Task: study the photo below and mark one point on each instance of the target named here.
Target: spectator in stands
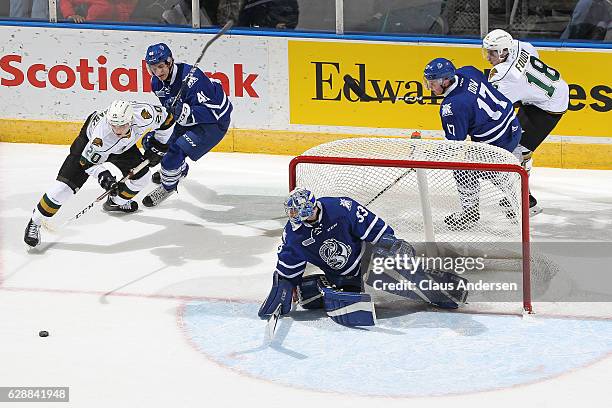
(90, 10)
(270, 14)
(38, 9)
(212, 12)
(181, 13)
(228, 10)
(591, 20)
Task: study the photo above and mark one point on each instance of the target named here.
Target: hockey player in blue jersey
(332, 233)
(202, 115)
(472, 106)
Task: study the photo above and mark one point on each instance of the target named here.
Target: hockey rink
(159, 308)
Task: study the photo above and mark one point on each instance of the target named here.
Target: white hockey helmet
(119, 113)
(497, 40)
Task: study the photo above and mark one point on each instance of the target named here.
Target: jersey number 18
(550, 73)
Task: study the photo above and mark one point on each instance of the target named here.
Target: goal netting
(460, 198)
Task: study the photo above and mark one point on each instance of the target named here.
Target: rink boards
(287, 92)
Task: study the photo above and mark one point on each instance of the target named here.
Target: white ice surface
(216, 241)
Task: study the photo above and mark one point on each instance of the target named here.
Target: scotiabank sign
(98, 75)
(318, 95)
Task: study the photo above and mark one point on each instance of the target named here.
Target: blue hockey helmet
(157, 53)
(300, 205)
(439, 68)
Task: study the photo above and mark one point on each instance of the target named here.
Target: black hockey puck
(43, 333)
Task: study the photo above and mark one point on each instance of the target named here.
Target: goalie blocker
(333, 233)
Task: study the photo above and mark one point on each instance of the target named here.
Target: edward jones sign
(318, 95)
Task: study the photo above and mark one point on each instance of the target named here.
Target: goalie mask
(300, 205)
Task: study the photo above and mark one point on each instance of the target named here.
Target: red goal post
(319, 157)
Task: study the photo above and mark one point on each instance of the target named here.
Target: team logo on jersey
(335, 253)
(346, 204)
(315, 231)
(145, 114)
(446, 110)
(97, 142)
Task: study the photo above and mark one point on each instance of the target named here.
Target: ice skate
(156, 196)
(462, 220)
(128, 207)
(534, 208)
(32, 234)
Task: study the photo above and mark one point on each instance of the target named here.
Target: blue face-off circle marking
(407, 355)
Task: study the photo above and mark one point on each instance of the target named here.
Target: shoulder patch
(145, 114)
(346, 204)
(445, 110)
(97, 142)
(492, 73)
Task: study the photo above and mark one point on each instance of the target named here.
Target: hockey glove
(154, 149)
(108, 182)
(280, 294)
(182, 113)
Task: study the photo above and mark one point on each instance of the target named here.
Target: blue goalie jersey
(472, 106)
(335, 244)
(206, 98)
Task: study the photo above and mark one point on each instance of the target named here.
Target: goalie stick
(223, 30)
(54, 228)
(273, 322)
(354, 86)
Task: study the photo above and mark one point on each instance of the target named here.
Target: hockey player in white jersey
(520, 74)
(106, 149)
(333, 234)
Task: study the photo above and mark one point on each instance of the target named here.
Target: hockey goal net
(444, 192)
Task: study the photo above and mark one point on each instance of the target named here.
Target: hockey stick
(189, 75)
(415, 135)
(393, 183)
(354, 86)
(52, 228)
(273, 322)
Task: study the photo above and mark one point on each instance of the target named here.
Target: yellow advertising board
(318, 95)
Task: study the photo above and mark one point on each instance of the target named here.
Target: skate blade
(32, 249)
(535, 210)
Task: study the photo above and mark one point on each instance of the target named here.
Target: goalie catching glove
(154, 149)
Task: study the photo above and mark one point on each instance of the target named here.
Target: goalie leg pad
(347, 308)
(280, 294)
(439, 288)
(309, 295)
